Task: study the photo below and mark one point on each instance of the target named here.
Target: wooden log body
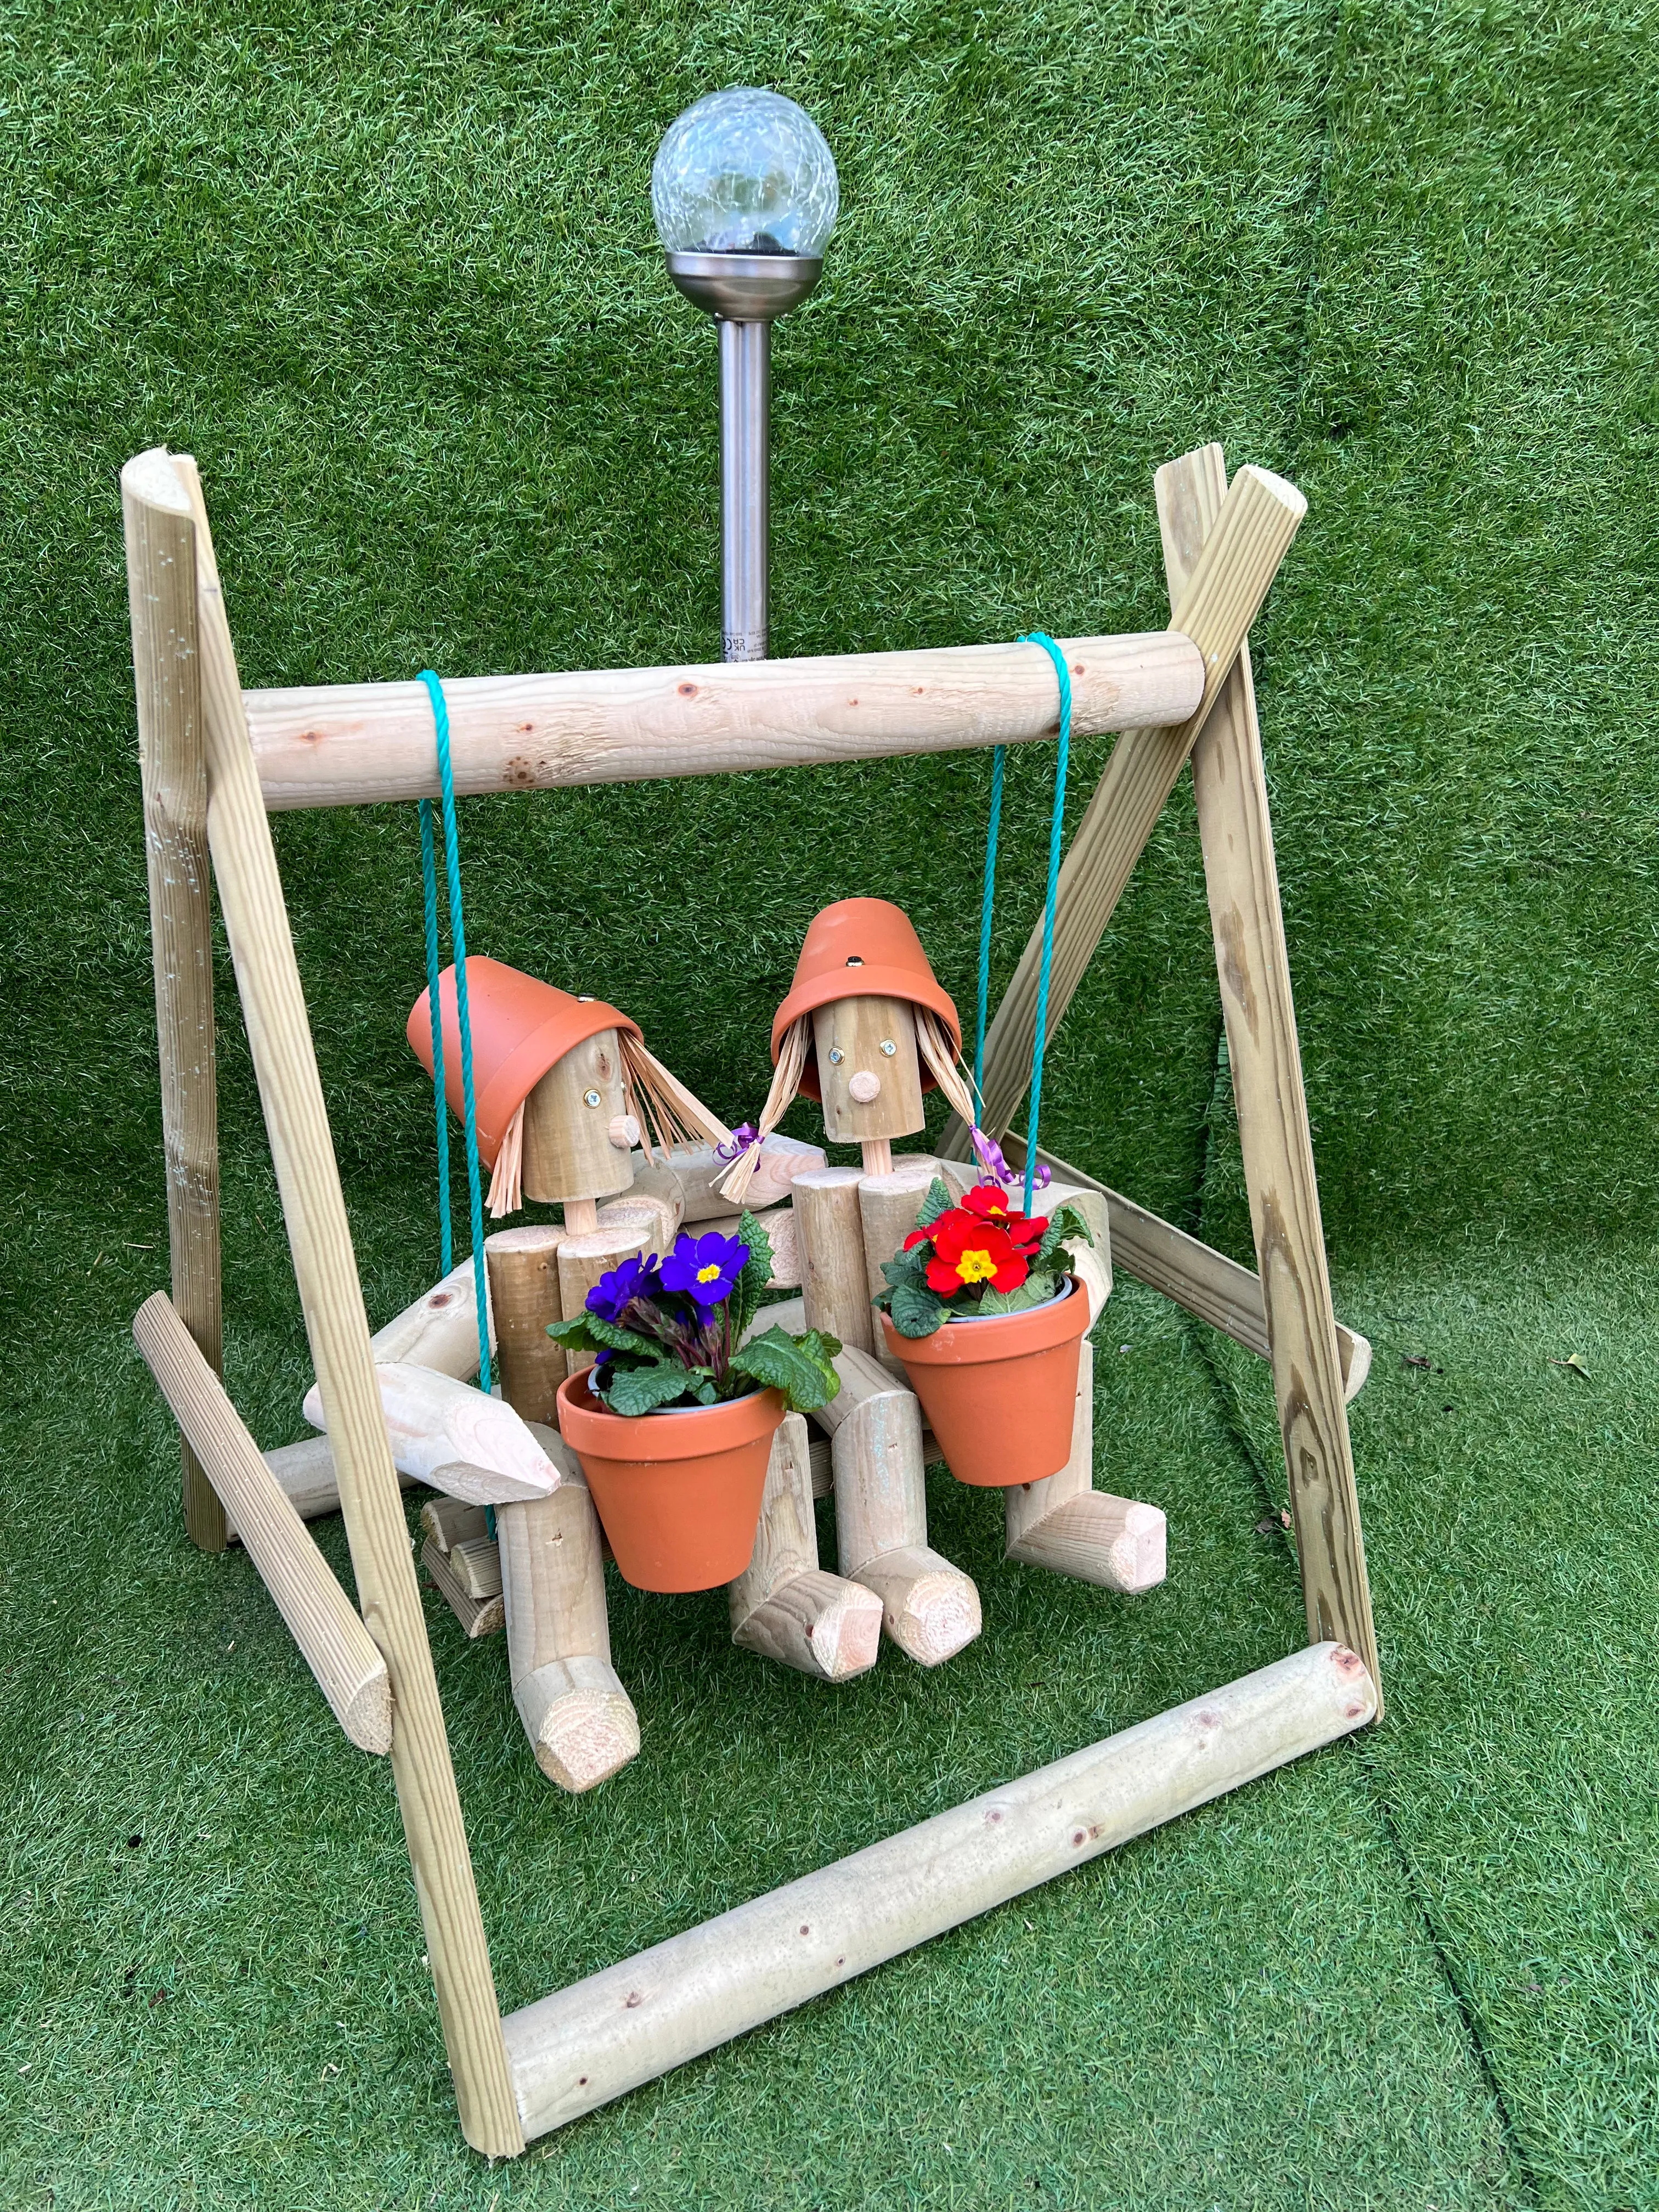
(580, 1721)
(161, 543)
(1067, 1525)
(869, 1070)
(567, 1148)
(333, 1641)
(523, 1266)
(320, 1237)
(930, 1609)
(447, 1434)
(783, 1605)
(584, 1262)
(888, 1206)
(829, 1226)
(1231, 791)
(348, 743)
(629, 2023)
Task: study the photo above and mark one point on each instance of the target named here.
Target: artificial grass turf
(390, 277)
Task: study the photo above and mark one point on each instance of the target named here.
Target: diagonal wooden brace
(1228, 582)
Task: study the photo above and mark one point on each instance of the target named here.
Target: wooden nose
(863, 1087)
(624, 1132)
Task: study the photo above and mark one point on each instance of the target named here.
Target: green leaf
(797, 1366)
(939, 1200)
(642, 1389)
(747, 1291)
(574, 1333)
(917, 1312)
(1031, 1293)
(906, 1267)
(607, 1332)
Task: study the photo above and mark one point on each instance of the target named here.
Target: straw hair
(785, 1082)
(664, 1110)
(938, 1051)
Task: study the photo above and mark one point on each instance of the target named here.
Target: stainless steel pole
(745, 504)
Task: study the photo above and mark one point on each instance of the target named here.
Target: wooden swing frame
(216, 759)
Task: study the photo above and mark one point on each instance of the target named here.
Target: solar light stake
(744, 194)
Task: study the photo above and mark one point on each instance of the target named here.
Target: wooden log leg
(1067, 1524)
(1230, 785)
(929, 1608)
(324, 1266)
(633, 2022)
(580, 1720)
(783, 1605)
(160, 536)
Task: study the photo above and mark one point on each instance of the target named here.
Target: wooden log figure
(866, 1029)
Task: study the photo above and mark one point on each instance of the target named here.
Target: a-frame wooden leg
(162, 594)
(1243, 880)
(325, 1265)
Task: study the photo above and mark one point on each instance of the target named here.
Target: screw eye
(590, 1098)
(836, 1055)
(888, 1047)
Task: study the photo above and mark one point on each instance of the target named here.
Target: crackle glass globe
(743, 171)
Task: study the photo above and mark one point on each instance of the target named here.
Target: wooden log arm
(345, 744)
(604, 2036)
(1193, 1274)
(333, 1641)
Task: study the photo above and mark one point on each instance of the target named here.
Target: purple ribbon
(741, 1140)
(996, 1166)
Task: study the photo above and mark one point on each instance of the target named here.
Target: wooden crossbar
(633, 2020)
(344, 744)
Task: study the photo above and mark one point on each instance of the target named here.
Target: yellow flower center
(710, 1273)
(975, 1266)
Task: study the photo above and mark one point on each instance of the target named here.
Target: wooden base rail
(625, 2026)
(1194, 1275)
(333, 1641)
(345, 744)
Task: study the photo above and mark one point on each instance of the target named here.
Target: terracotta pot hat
(862, 948)
(521, 1028)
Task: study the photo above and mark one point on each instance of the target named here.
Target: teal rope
(458, 941)
(992, 830)
(1056, 827)
(429, 880)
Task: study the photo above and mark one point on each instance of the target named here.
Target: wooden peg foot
(930, 1609)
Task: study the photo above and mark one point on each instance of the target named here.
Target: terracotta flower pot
(521, 1027)
(679, 1492)
(862, 948)
(999, 1394)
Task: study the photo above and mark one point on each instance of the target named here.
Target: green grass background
(388, 272)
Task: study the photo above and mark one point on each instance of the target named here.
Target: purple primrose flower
(704, 1267)
(613, 1294)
